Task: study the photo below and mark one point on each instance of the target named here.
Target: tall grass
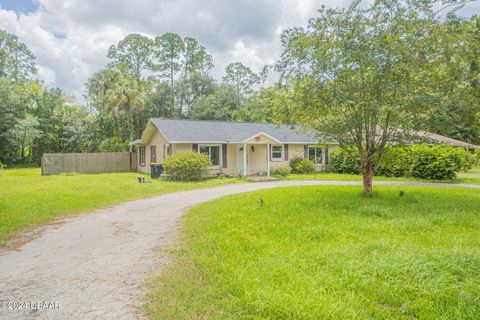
(326, 253)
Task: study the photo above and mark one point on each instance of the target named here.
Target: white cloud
(70, 38)
(47, 75)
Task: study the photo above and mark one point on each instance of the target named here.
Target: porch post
(268, 160)
(245, 159)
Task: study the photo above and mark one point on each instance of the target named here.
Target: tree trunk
(368, 174)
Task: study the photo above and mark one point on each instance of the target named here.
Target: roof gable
(149, 132)
(261, 138)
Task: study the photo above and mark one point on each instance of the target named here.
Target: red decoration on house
(258, 138)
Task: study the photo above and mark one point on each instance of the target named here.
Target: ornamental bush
(343, 161)
(395, 162)
(465, 159)
(186, 166)
(302, 166)
(433, 162)
(420, 161)
(282, 170)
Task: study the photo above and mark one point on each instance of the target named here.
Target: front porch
(257, 155)
(256, 160)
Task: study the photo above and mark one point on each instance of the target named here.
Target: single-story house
(244, 148)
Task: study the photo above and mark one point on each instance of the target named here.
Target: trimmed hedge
(186, 166)
(420, 161)
(302, 166)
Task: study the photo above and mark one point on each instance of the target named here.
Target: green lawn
(326, 253)
(472, 177)
(27, 198)
(338, 177)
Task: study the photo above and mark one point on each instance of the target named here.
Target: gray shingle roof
(229, 132)
(439, 139)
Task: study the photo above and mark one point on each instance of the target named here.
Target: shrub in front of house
(395, 162)
(282, 170)
(477, 157)
(343, 161)
(434, 162)
(302, 166)
(465, 160)
(422, 161)
(186, 166)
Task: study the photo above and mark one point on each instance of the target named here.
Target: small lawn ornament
(142, 180)
(261, 202)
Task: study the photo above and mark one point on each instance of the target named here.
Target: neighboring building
(267, 145)
(434, 138)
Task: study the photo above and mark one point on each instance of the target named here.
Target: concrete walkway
(93, 266)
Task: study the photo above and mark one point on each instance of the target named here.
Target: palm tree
(126, 97)
(98, 85)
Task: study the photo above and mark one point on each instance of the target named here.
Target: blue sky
(19, 5)
(70, 38)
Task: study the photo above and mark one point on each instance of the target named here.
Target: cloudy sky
(70, 38)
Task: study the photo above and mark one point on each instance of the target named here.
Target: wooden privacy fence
(103, 162)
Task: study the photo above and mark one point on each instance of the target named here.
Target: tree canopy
(16, 60)
(359, 76)
(363, 77)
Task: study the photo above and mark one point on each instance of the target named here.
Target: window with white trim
(315, 154)
(167, 150)
(277, 152)
(141, 152)
(153, 154)
(213, 153)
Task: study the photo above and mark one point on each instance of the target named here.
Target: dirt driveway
(93, 266)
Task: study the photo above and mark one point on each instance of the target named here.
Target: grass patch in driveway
(28, 199)
(326, 253)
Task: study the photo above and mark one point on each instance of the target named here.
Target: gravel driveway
(93, 266)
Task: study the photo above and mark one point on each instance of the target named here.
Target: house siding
(158, 141)
(231, 159)
(258, 159)
(294, 151)
(181, 147)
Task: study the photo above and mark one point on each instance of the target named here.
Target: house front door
(240, 153)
